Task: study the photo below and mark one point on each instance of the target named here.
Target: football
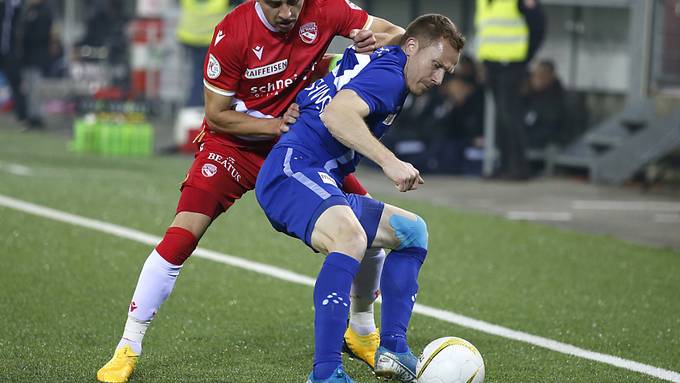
(450, 360)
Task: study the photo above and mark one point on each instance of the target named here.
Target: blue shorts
(293, 189)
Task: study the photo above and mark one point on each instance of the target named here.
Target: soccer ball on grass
(450, 360)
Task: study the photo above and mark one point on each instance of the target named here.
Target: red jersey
(262, 69)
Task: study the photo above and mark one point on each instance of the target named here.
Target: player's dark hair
(431, 27)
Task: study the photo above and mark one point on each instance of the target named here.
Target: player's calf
(406, 234)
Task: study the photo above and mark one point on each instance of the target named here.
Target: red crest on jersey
(308, 32)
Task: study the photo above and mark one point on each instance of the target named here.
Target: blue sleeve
(381, 86)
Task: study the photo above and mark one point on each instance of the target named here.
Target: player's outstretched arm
(221, 118)
(344, 119)
(379, 34)
(385, 32)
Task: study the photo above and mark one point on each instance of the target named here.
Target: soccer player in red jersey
(262, 54)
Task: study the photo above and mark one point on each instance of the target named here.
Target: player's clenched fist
(364, 40)
(405, 176)
(289, 117)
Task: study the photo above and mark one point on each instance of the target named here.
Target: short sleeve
(381, 87)
(222, 67)
(347, 16)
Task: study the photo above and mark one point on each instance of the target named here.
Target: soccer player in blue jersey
(342, 117)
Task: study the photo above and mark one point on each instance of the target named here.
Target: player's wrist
(275, 126)
(386, 159)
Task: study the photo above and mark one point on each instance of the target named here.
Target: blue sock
(331, 305)
(399, 286)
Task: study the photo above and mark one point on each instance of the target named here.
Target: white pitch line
(652, 206)
(286, 275)
(558, 216)
(16, 169)
(667, 218)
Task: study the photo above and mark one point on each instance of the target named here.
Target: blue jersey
(377, 78)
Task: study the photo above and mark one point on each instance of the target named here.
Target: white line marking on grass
(558, 216)
(16, 169)
(652, 206)
(667, 218)
(290, 276)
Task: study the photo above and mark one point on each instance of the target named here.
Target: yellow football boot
(120, 367)
(362, 347)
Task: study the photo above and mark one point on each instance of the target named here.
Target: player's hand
(405, 176)
(289, 118)
(364, 40)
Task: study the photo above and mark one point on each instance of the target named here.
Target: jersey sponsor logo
(213, 70)
(352, 5)
(227, 163)
(309, 32)
(267, 70)
(219, 37)
(208, 170)
(273, 87)
(327, 179)
(258, 51)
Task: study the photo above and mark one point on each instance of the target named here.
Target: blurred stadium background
(114, 142)
(616, 60)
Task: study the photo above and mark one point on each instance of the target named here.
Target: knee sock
(365, 290)
(156, 281)
(331, 307)
(399, 287)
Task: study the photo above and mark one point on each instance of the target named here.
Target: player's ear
(411, 46)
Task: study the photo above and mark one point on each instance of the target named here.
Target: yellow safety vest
(198, 19)
(502, 32)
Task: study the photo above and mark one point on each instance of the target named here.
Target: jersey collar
(262, 17)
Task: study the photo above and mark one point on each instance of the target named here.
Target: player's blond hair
(432, 27)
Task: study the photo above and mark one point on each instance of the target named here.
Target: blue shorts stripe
(303, 179)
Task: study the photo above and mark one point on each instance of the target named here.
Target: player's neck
(263, 18)
(265, 21)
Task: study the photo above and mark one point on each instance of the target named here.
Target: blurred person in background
(197, 21)
(10, 54)
(456, 121)
(105, 27)
(35, 35)
(465, 128)
(509, 33)
(545, 112)
(58, 66)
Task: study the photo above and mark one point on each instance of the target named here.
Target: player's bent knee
(196, 223)
(409, 233)
(351, 239)
(348, 237)
(177, 245)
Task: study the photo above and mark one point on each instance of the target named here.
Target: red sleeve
(223, 64)
(347, 16)
(351, 185)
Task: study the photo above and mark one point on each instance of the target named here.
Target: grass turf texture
(65, 289)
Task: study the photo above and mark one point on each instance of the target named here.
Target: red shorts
(222, 173)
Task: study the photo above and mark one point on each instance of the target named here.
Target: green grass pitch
(64, 289)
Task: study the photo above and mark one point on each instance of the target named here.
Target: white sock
(155, 284)
(133, 334)
(362, 322)
(365, 290)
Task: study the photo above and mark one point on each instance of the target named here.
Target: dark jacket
(536, 22)
(36, 29)
(10, 11)
(544, 117)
